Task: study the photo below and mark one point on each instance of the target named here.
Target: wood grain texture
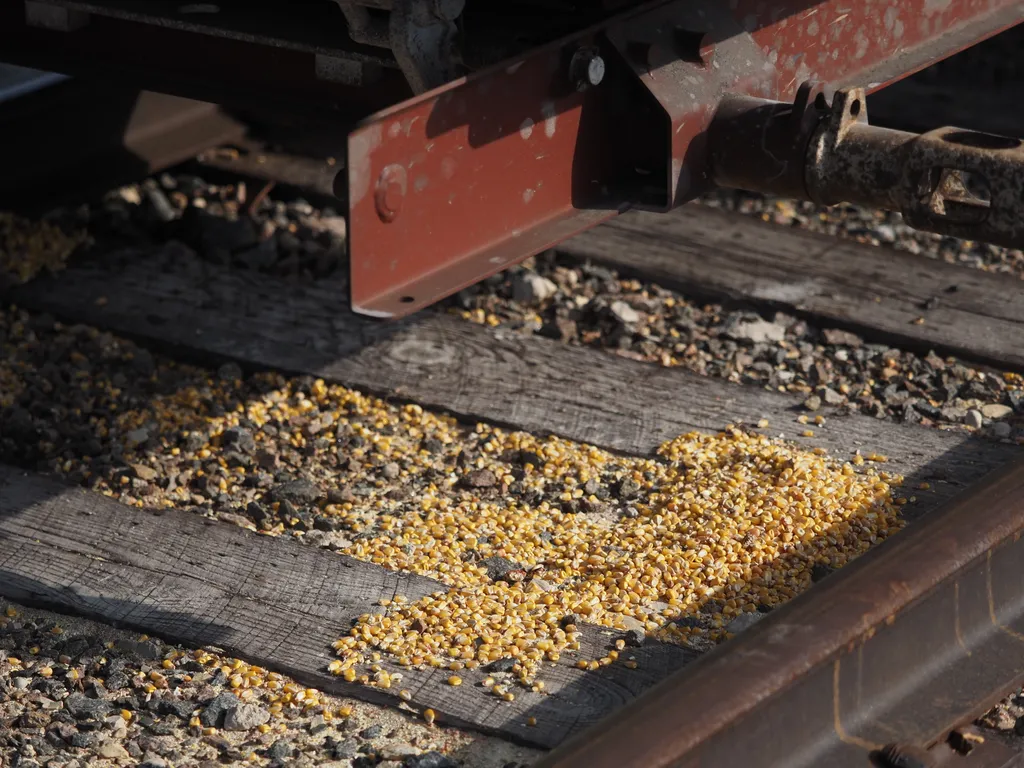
(177, 576)
(440, 361)
(879, 291)
(274, 602)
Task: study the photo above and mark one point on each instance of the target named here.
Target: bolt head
(587, 68)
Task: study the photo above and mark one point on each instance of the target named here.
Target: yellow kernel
(10, 611)
(126, 714)
(454, 680)
(508, 696)
(531, 721)
(405, 695)
(429, 715)
(630, 664)
(344, 711)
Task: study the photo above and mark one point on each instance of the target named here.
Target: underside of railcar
(480, 133)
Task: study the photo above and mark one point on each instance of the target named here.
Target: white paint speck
(526, 128)
(528, 195)
(550, 120)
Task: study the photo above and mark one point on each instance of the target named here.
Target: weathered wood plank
(879, 291)
(271, 601)
(440, 361)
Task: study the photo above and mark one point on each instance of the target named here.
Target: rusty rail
(893, 655)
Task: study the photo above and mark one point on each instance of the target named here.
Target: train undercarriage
(479, 134)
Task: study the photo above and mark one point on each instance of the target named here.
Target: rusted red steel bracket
(464, 181)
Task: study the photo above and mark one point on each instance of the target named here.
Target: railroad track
(907, 644)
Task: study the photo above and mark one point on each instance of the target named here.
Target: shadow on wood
(176, 574)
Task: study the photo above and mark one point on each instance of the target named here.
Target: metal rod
(950, 181)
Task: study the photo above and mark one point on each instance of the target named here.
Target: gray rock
(742, 622)
(499, 567)
(280, 750)
(529, 287)
(111, 750)
(624, 313)
(152, 760)
(996, 411)
(832, 397)
(812, 403)
(334, 225)
(391, 470)
(755, 331)
(345, 749)
(432, 759)
(182, 708)
(1001, 430)
(375, 731)
(480, 478)
(974, 419)
(295, 491)
(82, 707)
(244, 717)
(885, 233)
(628, 488)
(141, 649)
(400, 751)
(239, 438)
(161, 205)
(501, 665)
(214, 713)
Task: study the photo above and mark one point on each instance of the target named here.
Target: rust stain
(837, 720)
(992, 601)
(956, 618)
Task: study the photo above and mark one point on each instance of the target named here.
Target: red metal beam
(471, 178)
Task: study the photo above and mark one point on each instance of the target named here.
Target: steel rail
(902, 647)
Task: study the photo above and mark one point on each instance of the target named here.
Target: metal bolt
(586, 68)
(390, 193)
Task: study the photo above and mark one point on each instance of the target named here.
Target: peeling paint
(526, 128)
(361, 146)
(528, 195)
(550, 118)
(421, 183)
